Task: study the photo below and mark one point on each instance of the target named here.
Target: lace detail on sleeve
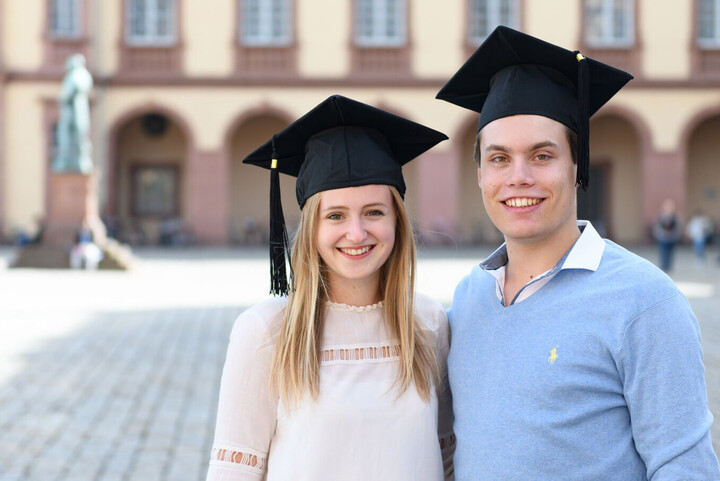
(359, 354)
(239, 456)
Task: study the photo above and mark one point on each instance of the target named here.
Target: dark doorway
(592, 204)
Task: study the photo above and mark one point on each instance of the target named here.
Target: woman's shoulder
(260, 320)
(430, 312)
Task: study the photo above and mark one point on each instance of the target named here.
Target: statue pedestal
(72, 206)
(73, 202)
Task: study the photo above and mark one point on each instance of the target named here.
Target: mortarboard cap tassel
(583, 123)
(279, 256)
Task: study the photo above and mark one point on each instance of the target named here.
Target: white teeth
(356, 252)
(521, 202)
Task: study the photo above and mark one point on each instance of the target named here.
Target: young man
(571, 358)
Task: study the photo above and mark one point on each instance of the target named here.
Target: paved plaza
(109, 376)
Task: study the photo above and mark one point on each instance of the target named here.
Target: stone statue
(73, 130)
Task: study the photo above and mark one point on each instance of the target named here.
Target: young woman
(345, 378)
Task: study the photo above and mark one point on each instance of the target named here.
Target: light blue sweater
(597, 376)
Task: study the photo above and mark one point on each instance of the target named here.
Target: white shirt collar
(586, 253)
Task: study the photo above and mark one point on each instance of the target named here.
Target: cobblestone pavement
(110, 376)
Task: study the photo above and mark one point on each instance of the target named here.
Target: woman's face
(356, 234)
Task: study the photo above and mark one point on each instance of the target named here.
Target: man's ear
(479, 177)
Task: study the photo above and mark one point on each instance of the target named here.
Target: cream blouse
(357, 429)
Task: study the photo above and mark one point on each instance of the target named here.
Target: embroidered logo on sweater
(553, 355)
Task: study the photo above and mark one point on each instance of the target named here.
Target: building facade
(184, 90)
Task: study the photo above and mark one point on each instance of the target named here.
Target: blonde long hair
(296, 359)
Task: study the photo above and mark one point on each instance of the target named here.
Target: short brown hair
(569, 134)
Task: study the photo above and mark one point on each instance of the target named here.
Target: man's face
(527, 178)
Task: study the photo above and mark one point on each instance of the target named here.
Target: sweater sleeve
(247, 409)
(660, 361)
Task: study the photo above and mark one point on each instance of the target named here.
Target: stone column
(663, 176)
(438, 183)
(207, 195)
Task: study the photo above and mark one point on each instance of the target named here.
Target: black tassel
(279, 257)
(583, 123)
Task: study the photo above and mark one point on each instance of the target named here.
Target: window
(485, 15)
(150, 22)
(609, 23)
(154, 191)
(380, 23)
(708, 24)
(64, 32)
(266, 22)
(65, 18)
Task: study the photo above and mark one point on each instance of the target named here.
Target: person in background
(699, 229)
(345, 378)
(571, 358)
(667, 231)
(85, 253)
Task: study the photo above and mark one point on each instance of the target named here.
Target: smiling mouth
(355, 251)
(522, 202)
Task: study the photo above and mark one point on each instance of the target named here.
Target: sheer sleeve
(247, 409)
(436, 321)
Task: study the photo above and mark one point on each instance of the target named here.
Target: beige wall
(323, 41)
(25, 152)
(614, 142)
(250, 182)
(438, 37)
(23, 22)
(209, 112)
(667, 111)
(666, 29)
(323, 33)
(107, 29)
(437, 28)
(558, 24)
(209, 35)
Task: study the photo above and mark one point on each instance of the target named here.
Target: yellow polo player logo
(553, 355)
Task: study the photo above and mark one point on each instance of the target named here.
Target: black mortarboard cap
(513, 73)
(339, 143)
